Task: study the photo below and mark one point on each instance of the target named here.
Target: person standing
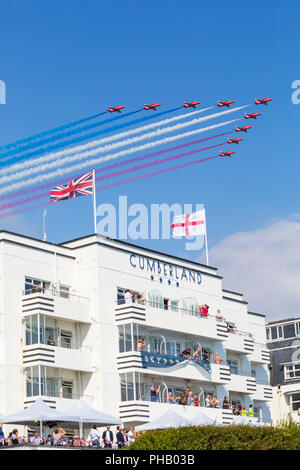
(108, 438)
(128, 297)
(120, 437)
(154, 393)
(131, 435)
(226, 403)
(94, 436)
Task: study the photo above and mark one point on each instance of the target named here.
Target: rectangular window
(274, 334)
(64, 291)
(127, 384)
(174, 305)
(292, 371)
(295, 401)
(233, 367)
(289, 330)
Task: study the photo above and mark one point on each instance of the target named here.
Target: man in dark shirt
(186, 354)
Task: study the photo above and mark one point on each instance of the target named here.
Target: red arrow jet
(242, 129)
(227, 154)
(263, 100)
(192, 104)
(234, 141)
(252, 116)
(225, 103)
(115, 109)
(151, 106)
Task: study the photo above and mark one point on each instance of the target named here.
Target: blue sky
(63, 60)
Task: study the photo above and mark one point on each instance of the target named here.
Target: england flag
(185, 225)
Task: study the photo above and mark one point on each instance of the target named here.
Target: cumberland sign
(166, 270)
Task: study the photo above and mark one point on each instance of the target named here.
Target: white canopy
(82, 413)
(38, 411)
(201, 420)
(170, 419)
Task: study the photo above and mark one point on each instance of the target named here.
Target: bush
(220, 438)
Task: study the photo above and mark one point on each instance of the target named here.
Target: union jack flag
(82, 186)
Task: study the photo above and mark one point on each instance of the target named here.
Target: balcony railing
(63, 294)
(191, 312)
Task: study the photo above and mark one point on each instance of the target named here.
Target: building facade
(103, 321)
(283, 341)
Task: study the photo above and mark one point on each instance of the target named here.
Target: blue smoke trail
(50, 132)
(65, 134)
(87, 136)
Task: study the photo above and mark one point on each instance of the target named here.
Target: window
(66, 339)
(67, 389)
(173, 348)
(292, 371)
(289, 330)
(32, 381)
(127, 386)
(31, 330)
(35, 285)
(155, 299)
(125, 338)
(233, 367)
(64, 291)
(174, 305)
(295, 401)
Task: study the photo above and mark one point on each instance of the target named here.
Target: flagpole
(44, 225)
(206, 246)
(94, 201)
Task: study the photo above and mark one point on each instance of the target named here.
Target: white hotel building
(66, 333)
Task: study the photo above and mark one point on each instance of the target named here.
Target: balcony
(239, 342)
(59, 357)
(172, 318)
(242, 382)
(260, 354)
(188, 370)
(138, 412)
(57, 304)
(263, 391)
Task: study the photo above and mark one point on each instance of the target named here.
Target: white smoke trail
(96, 161)
(106, 148)
(79, 148)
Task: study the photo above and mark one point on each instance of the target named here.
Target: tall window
(233, 367)
(127, 386)
(125, 338)
(155, 298)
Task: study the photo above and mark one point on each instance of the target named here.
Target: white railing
(56, 293)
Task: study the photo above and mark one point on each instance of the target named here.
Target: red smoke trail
(117, 183)
(111, 166)
(112, 175)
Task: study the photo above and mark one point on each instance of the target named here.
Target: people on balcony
(171, 399)
(141, 299)
(51, 341)
(187, 353)
(189, 400)
(197, 354)
(203, 310)
(226, 403)
(219, 316)
(141, 344)
(217, 359)
(128, 297)
(154, 393)
(206, 356)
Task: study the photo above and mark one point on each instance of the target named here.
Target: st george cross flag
(185, 225)
(82, 186)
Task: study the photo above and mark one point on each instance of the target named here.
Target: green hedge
(220, 438)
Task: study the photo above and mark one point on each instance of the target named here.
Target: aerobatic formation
(31, 166)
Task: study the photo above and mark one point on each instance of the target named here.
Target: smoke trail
(87, 136)
(51, 156)
(109, 167)
(63, 135)
(51, 131)
(103, 149)
(96, 161)
(117, 183)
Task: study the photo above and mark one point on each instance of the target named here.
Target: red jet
(234, 141)
(225, 103)
(116, 109)
(252, 116)
(151, 106)
(242, 129)
(263, 101)
(227, 154)
(192, 104)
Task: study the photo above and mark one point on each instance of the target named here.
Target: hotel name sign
(164, 270)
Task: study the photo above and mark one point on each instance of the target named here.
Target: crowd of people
(57, 437)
